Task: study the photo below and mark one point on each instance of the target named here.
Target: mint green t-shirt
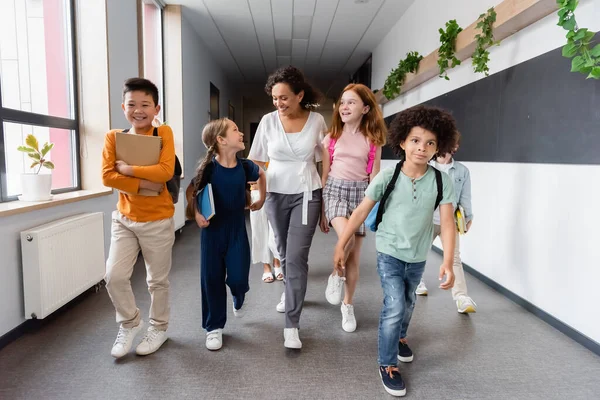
(406, 230)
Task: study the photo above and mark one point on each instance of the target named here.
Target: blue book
(206, 202)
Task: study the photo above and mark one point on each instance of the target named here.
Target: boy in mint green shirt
(405, 234)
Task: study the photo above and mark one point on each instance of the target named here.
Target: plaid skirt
(341, 197)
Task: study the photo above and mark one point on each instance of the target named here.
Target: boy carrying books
(404, 235)
(140, 223)
(461, 178)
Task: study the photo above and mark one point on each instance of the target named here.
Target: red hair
(372, 124)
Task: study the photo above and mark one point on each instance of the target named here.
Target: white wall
(199, 69)
(536, 225)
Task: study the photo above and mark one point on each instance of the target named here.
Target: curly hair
(294, 78)
(372, 124)
(437, 121)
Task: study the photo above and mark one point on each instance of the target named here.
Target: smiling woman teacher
(290, 139)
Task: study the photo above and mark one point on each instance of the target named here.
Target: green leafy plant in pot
(36, 186)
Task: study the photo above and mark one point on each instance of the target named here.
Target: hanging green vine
(586, 60)
(485, 39)
(394, 82)
(448, 47)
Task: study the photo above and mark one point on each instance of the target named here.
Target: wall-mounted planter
(512, 16)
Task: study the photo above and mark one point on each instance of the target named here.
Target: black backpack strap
(155, 131)
(440, 187)
(388, 190)
(125, 130)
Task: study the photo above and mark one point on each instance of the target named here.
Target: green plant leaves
(393, 83)
(584, 60)
(33, 152)
(485, 39)
(32, 141)
(47, 147)
(26, 149)
(448, 48)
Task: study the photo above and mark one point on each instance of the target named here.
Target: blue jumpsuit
(224, 249)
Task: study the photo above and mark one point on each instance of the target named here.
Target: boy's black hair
(142, 85)
(439, 122)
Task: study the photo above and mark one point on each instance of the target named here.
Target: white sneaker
(214, 339)
(124, 340)
(281, 305)
(333, 293)
(348, 319)
(152, 340)
(421, 289)
(292, 340)
(466, 305)
(239, 313)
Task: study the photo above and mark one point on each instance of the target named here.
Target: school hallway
(501, 352)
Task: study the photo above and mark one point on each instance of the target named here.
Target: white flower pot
(36, 187)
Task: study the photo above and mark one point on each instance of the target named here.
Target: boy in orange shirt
(140, 223)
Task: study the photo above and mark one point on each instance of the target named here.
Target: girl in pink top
(351, 158)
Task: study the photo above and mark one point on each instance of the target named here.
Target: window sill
(19, 207)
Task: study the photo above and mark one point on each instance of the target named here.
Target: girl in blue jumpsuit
(224, 249)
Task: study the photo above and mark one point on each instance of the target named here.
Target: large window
(152, 42)
(37, 91)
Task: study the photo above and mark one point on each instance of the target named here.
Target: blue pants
(224, 260)
(399, 280)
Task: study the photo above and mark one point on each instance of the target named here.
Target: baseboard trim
(574, 334)
(33, 325)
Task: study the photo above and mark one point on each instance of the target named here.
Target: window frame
(47, 121)
(141, 49)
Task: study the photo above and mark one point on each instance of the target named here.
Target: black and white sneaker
(405, 354)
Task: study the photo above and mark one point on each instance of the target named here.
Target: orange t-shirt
(136, 207)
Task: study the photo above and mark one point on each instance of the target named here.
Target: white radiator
(61, 260)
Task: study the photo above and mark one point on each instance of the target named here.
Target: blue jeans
(399, 280)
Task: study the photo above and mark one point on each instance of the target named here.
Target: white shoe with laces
(281, 305)
(214, 339)
(124, 340)
(292, 340)
(348, 318)
(152, 340)
(333, 292)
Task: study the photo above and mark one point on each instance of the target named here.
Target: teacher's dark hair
(294, 78)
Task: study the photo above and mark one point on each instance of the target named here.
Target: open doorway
(214, 102)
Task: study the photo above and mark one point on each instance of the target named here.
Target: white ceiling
(328, 39)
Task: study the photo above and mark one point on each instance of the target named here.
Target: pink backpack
(372, 151)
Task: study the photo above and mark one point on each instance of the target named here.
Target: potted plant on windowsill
(36, 186)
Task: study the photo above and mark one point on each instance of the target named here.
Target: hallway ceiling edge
(328, 39)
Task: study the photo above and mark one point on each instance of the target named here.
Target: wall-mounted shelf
(512, 16)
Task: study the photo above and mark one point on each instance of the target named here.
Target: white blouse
(292, 168)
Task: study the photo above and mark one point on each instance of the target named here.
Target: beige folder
(138, 150)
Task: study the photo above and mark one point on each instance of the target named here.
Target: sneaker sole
(293, 346)
(406, 359)
(142, 353)
(421, 293)
(468, 310)
(395, 393)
